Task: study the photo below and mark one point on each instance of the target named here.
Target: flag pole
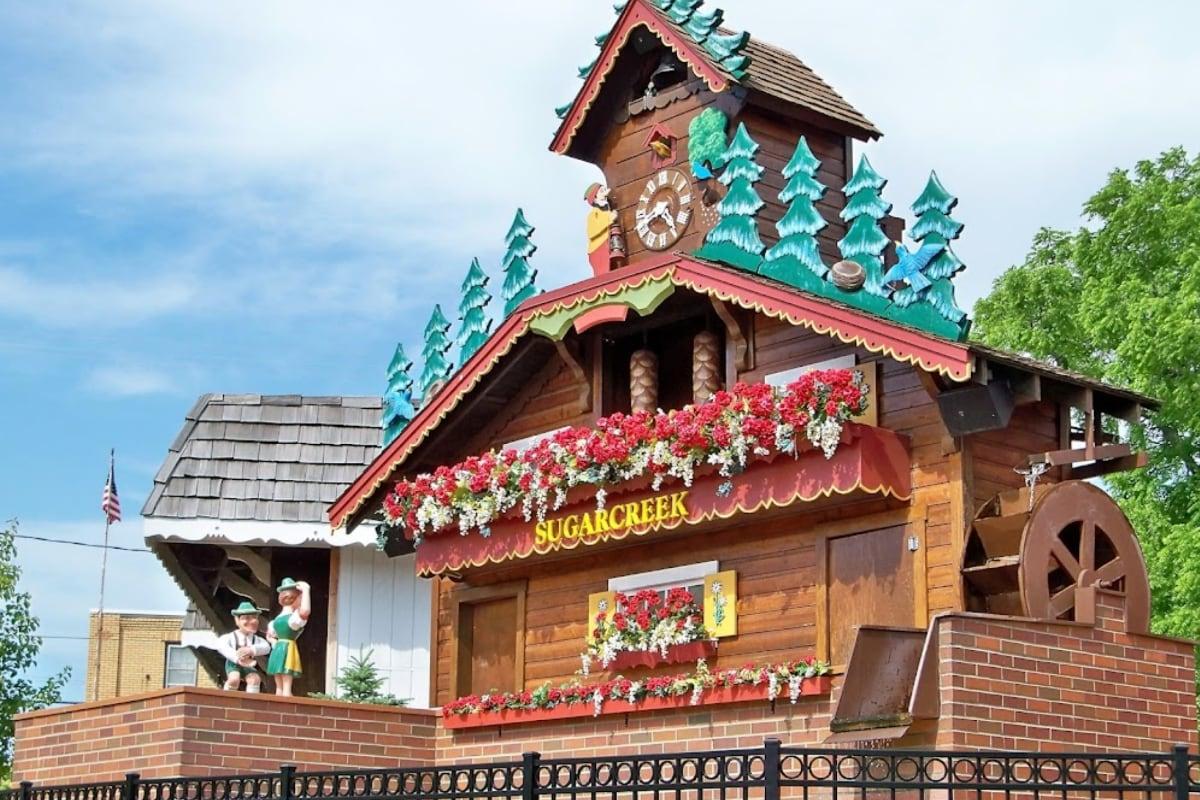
(103, 570)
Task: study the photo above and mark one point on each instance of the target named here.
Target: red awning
(869, 461)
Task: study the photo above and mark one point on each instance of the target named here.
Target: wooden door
(489, 629)
(870, 580)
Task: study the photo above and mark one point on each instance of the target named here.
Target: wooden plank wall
(995, 455)
(627, 164)
(779, 600)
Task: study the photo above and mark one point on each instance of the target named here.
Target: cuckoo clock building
(752, 477)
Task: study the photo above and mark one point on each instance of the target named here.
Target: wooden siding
(628, 163)
(782, 605)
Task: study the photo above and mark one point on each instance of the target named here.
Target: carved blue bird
(399, 405)
(910, 268)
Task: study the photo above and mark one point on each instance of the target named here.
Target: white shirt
(230, 643)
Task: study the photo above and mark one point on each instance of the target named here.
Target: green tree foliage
(706, 139)
(518, 275)
(437, 366)
(1119, 299)
(19, 647)
(865, 241)
(360, 682)
(797, 247)
(735, 240)
(935, 226)
(398, 406)
(472, 310)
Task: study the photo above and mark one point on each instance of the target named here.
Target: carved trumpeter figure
(606, 238)
(284, 664)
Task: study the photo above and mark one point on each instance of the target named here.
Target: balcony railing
(772, 772)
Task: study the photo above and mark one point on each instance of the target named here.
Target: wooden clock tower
(643, 118)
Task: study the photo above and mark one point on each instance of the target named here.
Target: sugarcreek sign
(592, 526)
(870, 460)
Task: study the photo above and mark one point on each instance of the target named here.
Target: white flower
(586, 658)
(772, 686)
(794, 688)
(597, 702)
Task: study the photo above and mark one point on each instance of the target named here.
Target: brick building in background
(141, 652)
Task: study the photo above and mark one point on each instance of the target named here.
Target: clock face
(664, 210)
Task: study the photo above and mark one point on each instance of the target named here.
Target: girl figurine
(242, 648)
(284, 663)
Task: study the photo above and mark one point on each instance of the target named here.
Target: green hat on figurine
(287, 585)
(246, 609)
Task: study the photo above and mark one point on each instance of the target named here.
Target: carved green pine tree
(796, 259)
(472, 311)
(437, 366)
(865, 241)
(398, 408)
(735, 240)
(518, 275)
(935, 226)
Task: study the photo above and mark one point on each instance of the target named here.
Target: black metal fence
(772, 772)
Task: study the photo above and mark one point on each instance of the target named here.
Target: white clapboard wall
(384, 608)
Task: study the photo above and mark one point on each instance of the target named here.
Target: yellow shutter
(870, 373)
(720, 604)
(600, 601)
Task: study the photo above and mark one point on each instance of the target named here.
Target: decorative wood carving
(706, 366)
(643, 381)
(570, 356)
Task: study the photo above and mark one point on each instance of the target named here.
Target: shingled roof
(269, 459)
(780, 74)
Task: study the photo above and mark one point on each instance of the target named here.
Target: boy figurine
(606, 240)
(242, 648)
(284, 663)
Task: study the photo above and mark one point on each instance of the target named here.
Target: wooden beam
(570, 355)
(1063, 458)
(1088, 471)
(199, 594)
(735, 334)
(252, 590)
(259, 565)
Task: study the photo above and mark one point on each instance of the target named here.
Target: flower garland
(645, 622)
(726, 432)
(693, 686)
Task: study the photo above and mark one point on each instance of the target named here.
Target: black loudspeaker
(976, 408)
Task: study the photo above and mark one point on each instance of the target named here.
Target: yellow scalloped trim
(881, 490)
(719, 86)
(802, 322)
(602, 292)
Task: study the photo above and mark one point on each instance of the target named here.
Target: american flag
(110, 504)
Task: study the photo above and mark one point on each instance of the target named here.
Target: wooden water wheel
(1045, 560)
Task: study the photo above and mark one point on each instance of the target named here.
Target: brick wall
(132, 659)
(1019, 684)
(196, 732)
(742, 725)
(1004, 683)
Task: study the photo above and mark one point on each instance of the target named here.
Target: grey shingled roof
(272, 459)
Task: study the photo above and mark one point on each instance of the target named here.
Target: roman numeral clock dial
(664, 209)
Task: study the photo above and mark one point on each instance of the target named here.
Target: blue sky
(265, 197)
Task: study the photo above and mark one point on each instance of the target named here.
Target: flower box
(718, 695)
(688, 653)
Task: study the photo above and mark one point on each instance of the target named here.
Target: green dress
(285, 655)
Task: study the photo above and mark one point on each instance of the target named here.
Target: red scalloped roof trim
(636, 14)
(930, 353)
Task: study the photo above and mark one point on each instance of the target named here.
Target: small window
(181, 666)
(688, 576)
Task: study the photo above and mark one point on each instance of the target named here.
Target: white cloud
(130, 381)
(91, 303)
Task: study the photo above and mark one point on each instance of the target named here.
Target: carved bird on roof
(910, 269)
(399, 404)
